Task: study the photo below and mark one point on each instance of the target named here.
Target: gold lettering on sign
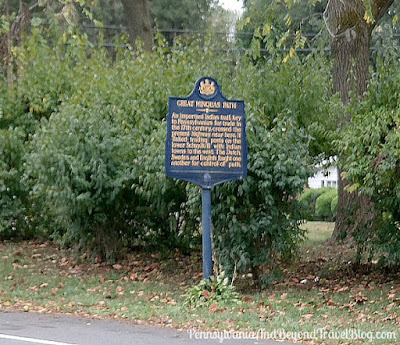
(229, 105)
(207, 140)
(185, 103)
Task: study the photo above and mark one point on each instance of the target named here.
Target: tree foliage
(371, 145)
(283, 25)
(12, 191)
(258, 219)
(93, 136)
(182, 14)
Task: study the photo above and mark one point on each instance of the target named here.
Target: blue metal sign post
(206, 145)
(206, 221)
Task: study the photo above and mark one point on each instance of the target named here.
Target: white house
(325, 177)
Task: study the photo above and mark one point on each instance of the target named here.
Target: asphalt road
(36, 329)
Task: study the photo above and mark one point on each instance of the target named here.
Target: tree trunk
(138, 21)
(19, 27)
(350, 46)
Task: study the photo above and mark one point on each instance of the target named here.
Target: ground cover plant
(41, 277)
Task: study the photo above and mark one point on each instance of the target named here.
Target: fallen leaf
(362, 316)
(171, 301)
(330, 302)
(360, 298)
(213, 308)
(341, 289)
(206, 293)
(308, 316)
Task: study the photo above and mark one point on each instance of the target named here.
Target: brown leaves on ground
(359, 298)
(137, 267)
(307, 316)
(335, 285)
(206, 294)
(213, 308)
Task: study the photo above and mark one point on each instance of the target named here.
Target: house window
(329, 183)
(322, 184)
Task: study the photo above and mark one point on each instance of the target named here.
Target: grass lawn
(318, 231)
(319, 292)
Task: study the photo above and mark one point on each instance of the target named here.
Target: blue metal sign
(206, 137)
(206, 145)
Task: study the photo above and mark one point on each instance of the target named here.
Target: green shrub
(323, 203)
(308, 200)
(371, 146)
(258, 218)
(164, 215)
(12, 192)
(81, 170)
(94, 137)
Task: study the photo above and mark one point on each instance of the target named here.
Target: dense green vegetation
(372, 147)
(319, 204)
(82, 134)
(87, 149)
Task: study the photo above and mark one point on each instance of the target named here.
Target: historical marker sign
(206, 136)
(206, 145)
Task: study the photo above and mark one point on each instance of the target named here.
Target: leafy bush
(94, 136)
(371, 146)
(258, 218)
(308, 202)
(373, 161)
(81, 170)
(323, 209)
(12, 191)
(96, 166)
(163, 213)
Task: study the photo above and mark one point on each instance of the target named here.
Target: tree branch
(33, 6)
(380, 7)
(340, 16)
